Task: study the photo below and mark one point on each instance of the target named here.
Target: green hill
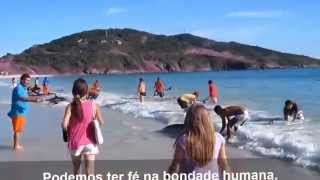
(128, 51)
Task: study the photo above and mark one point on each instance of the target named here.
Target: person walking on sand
(20, 109)
(142, 90)
(186, 100)
(213, 92)
(78, 122)
(159, 88)
(199, 148)
(232, 116)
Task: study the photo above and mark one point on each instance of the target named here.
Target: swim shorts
(18, 123)
(143, 94)
(89, 149)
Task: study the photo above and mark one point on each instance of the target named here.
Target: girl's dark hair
(79, 90)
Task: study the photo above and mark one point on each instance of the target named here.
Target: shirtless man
(234, 115)
(142, 90)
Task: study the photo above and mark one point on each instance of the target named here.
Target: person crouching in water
(200, 148)
(186, 100)
(78, 122)
(292, 112)
(232, 116)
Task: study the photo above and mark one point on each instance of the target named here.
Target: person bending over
(291, 111)
(186, 100)
(232, 117)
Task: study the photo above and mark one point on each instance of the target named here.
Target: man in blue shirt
(20, 109)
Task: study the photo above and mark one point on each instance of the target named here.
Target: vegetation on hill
(128, 50)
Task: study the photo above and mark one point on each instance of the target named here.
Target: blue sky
(284, 25)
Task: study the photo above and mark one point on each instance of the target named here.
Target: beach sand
(127, 138)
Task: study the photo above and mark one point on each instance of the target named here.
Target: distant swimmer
(187, 100)
(142, 90)
(159, 88)
(292, 112)
(94, 90)
(235, 116)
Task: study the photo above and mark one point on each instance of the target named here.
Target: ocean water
(262, 92)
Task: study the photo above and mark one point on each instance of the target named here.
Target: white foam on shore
(277, 140)
(281, 141)
(165, 111)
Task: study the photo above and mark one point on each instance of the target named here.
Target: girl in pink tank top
(78, 121)
(81, 131)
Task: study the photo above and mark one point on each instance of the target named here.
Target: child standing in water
(78, 122)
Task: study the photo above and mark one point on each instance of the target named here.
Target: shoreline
(18, 76)
(160, 72)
